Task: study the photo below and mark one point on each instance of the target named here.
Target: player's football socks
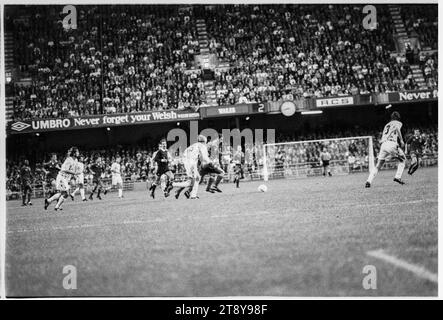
(105, 192)
(413, 168)
(90, 197)
(329, 174)
(217, 182)
(177, 193)
(187, 194)
(46, 204)
(153, 190)
(72, 196)
(400, 181)
(372, 175)
(400, 169)
(210, 182)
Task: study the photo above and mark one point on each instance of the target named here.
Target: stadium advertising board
(233, 110)
(106, 120)
(413, 95)
(334, 102)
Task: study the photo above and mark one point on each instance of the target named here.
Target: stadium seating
(421, 20)
(135, 58)
(120, 59)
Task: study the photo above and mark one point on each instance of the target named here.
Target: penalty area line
(419, 271)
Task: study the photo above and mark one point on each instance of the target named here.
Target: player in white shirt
(65, 174)
(391, 148)
(117, 181)
(79, 179)
(191, 156)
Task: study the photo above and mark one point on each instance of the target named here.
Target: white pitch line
(419, 271)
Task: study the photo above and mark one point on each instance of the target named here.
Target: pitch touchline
(257, 213)
(419, 271)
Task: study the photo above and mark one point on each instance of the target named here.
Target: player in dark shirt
(52, 167)
(238, 174)
(26, 181)
(414, 145)
(239, 160)
(97, 169)
(160, 163)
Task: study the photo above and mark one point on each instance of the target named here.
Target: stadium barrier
(39, 190)
(296, 171)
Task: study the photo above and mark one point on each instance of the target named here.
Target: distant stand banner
(413, 96)
(300, 104)
(339, 101)
(103, 120)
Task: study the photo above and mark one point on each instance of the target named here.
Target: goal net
(300, 159)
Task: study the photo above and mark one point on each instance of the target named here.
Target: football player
(391, 148)
(65, 174)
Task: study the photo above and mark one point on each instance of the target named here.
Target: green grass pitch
(305, 237)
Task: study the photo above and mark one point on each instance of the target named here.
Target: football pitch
(305, 237)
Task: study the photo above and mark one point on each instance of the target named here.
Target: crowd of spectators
(293, 51)
(421, 21)
(137, 58)
(119, 59)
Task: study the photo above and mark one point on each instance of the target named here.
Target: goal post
(299, 159)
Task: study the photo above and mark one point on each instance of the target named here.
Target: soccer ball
(262, 188)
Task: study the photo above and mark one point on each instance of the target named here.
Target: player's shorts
(190, 168)
(26, 187)
(97, 180)
(162, 171)
(80, 179)
(415, 153)
(391, 150)
(209, 169)
(117, 179)
(62, 183)
(325, 163)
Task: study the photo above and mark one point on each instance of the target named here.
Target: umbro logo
(19, 126)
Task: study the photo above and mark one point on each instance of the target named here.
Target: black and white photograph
(220, 149)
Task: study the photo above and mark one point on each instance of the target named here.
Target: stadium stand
(125, 59)
(109, 64)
